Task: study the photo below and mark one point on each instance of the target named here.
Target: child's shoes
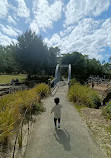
(58, 125)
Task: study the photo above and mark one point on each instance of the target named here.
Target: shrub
(42, 89)
(106, 111)
(83, 95)
(37, 108)
(13, 106)
(9, 118)
(73, 81)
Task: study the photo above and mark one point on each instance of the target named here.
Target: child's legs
(59, 120)
(55, 121)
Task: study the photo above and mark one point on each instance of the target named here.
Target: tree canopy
(7, 60)
(82, 66)
(109, 59)
(30, 55)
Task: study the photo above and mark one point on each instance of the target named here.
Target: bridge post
(69, 75)
(57, 74)
(49, 84)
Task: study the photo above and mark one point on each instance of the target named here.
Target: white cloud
(22, 9)
(3, 8)
(55, 40)
(8, 30)
(88, 37)
(45, 14)
(11, 20)
(77, 9)
(34, 27)
(5, 40)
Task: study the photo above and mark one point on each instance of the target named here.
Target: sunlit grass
(42, 89)
(13, 106)
(8, 78)
(83, 95)
(79, 107)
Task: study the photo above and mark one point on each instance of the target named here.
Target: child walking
(57, 112)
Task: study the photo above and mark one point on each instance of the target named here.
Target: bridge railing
(58, 76)
(69, 75)
(50, 83)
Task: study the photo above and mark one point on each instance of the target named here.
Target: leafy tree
(7, 61)
(107, 69)
(82, 66)
(109, 59)
(103, 62)
(53, 52)
(31, 53)
(78, 63)
(94, 67)
(2, 60)
(52, 59)
(12, 65)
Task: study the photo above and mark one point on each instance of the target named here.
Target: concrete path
(71, 141)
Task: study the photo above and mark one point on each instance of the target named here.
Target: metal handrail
(53, 80)
(50, 82)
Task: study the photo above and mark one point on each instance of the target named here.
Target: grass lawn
(8, 78)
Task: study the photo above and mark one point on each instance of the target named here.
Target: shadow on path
(63, 137)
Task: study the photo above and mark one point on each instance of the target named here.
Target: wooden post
(21, 137)
(15, 146)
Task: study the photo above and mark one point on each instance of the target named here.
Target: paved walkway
(71, 141)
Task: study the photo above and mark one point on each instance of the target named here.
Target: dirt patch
(96, 115)
(100, 128)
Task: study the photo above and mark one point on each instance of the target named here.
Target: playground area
(103, 86)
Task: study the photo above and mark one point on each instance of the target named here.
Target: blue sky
(73, 25)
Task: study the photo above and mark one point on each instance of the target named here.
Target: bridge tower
(58, 73)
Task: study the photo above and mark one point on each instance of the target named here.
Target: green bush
(106, 111)
(83, 95)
